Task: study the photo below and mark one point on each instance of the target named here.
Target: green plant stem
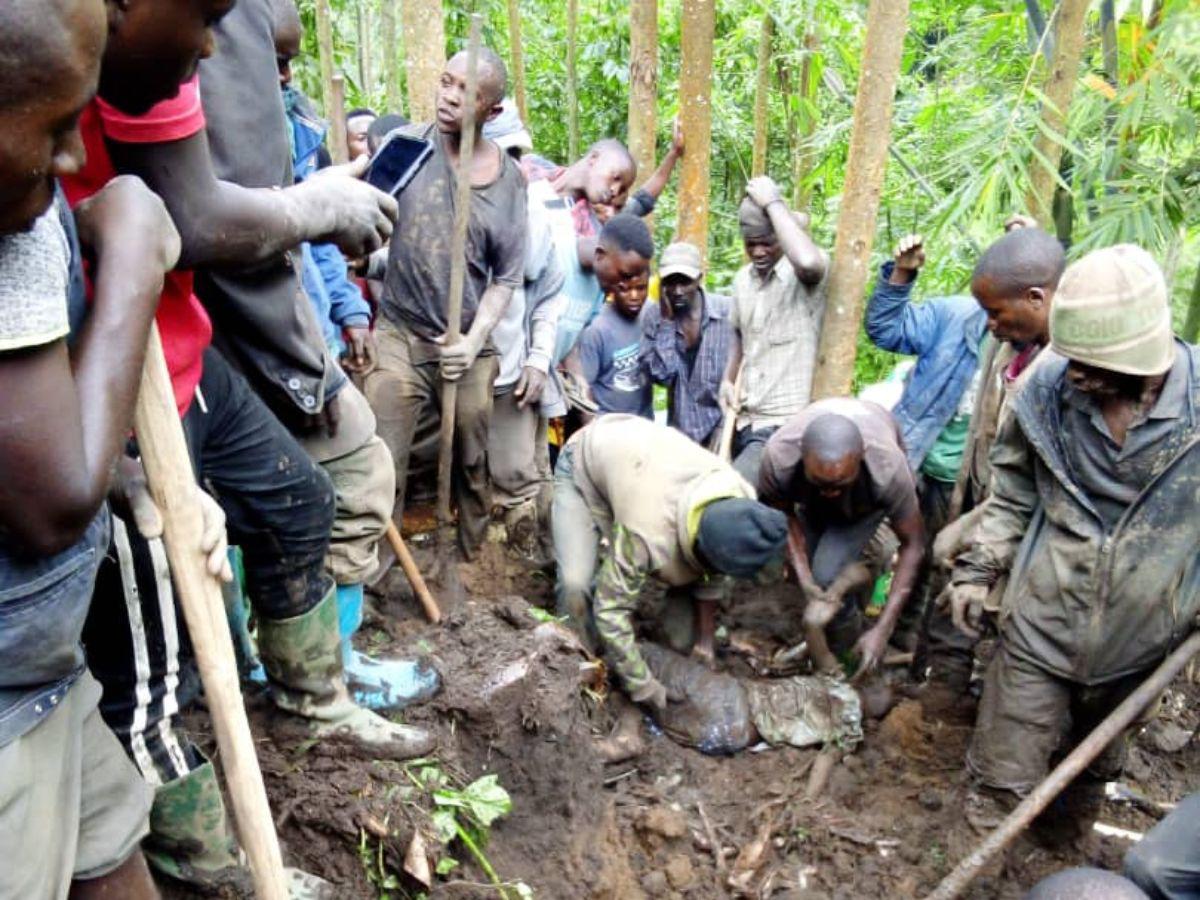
(481, 859)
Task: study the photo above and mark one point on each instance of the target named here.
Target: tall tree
(643, 82)
(1191, 327)
(804, 158)
(762, 95)
(391, 56)
(424, 55)
(869, 139)
(362, 19)
(695, 113)
(1057, 90)
(572, 80)
(325, 52)
(516, 54)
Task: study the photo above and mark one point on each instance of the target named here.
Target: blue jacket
(338, 301)
(945, 334)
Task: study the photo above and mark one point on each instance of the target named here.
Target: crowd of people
(1032, 482)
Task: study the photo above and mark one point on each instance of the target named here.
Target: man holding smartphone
(414, 357)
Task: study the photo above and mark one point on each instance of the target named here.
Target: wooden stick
(409, 565)
(172, 485)
(338, 148)
(458, 265)
(729, 425)
(1053, 784)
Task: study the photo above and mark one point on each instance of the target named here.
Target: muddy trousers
(747, 450)
(279, 507)
(519, 465)
(1028, 715)
(1166, 864)
(404, 390)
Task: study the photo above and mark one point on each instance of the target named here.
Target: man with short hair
(669, 509)
(358, 123)
(838, 470)
(607, 355)
(1095, 476)
(73, 809)
(414, 357)
(778, 307)
(685, 343)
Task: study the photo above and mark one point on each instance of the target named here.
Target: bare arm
(658, 181)
(460, 356)
(911, 532)
(65, 418)
(798, 246)
(223, 224)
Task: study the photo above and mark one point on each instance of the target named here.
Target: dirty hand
(327, 419)
(361, 352)
(352, 214)
(764, 191)
(728, 396)
(819, 611)
(910, 253)
(678, 145)
(530, 386)
(654, 693)
(458, 357)
(966, 606)
(1012, 223)
(870, 648)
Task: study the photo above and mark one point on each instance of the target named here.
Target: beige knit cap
(1111, 311)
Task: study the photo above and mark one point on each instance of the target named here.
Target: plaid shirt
(779, 320)
(694, 407)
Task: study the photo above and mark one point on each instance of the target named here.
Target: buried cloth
(718, 713)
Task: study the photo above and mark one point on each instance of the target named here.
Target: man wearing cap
(669, 509)
(685, 343)
(1095, 479)
(778, 305)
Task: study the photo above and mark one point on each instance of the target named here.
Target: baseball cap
(681, 258)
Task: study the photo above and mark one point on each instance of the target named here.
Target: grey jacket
(1083, 603)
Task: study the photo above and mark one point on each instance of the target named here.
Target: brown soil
(671, 823)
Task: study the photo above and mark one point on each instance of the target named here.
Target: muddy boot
(384, 685)
(303, 659)
(190, 841)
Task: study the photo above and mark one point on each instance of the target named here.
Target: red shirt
(182, 321)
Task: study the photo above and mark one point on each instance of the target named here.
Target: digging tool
(725, 448)
(458, 265)
(172, 485)
(409, 565)
(1053, 784)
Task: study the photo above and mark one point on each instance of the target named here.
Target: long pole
(1079, 759)
(458, 265)
(172, 485)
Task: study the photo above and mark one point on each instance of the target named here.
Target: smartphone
(397, 162)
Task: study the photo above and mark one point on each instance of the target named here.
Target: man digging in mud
(669, 509)
(1095, 479)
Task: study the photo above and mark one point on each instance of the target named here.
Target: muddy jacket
(1084, 603)
(646, 486)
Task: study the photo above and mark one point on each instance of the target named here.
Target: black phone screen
(397, 161)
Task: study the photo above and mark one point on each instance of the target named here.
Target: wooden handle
(730, 422)
(172, 485)
(409, 565)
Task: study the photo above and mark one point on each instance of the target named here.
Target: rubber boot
(237, 610)
(190, 841)
(303, 659)
(384, 685)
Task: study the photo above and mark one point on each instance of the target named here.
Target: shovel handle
(409, 565)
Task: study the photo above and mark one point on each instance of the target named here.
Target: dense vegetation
(965, 120)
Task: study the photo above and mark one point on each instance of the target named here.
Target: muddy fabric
(364, 487)
(518, 455)
(806, 711)
(416, 289)
(1085, 602)
(714, 716)
(1166, 862)
(885, 482)
(1027, 715)
(190, 836)
(405, 391)
(71, 805)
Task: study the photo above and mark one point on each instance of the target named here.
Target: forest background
(966, 117)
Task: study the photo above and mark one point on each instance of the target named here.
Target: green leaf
(486, 800)
(446, 865)
(445, 824)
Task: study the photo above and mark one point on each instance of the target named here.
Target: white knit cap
(1111, 311)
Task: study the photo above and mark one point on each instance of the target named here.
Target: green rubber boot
(303, 659)
(190, 841)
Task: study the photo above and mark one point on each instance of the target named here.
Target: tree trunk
(424, 55)
(869, 138)
(572, 81)
(762, 94)
(643, 83)
(362, 27)
(339, 150)
(803, 155)
(516, 54)
(1191, 328)
(695, 113)
(325, 53)
(393, 99)
(1058, 88)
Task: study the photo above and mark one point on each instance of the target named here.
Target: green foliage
(966, 115)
